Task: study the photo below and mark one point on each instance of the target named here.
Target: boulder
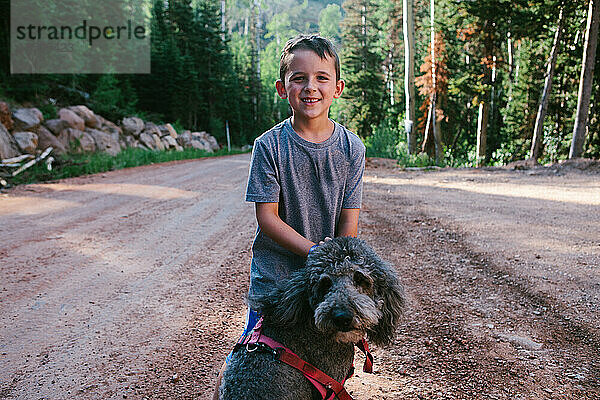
(130, 141)
(77, 140)
(165, 143)
(73, 120)
(132, 126)
(205, 137)
(158, 145)
(27, 119)
(8, 145)
(56, 126)
(213, 142)
(185, 139)
(172, 143)
(111, 127)
(47, 139)
(152, 129)
(27, 141)
(5, 116)
(200, 144)
(172, 131)
(167, 130)
(89, 118)
(147, 140)
(104, 141)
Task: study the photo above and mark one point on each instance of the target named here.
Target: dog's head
(345, 290)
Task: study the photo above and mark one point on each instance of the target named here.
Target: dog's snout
(342, 319)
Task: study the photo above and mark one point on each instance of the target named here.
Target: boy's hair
(323, 47)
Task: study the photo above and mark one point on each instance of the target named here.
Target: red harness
(328, 387)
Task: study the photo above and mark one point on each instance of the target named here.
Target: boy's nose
(310, 86)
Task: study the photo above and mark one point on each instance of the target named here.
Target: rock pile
(79, 129)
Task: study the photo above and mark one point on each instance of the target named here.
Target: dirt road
(130, 284)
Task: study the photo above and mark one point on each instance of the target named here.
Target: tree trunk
(585, 81)
(428, 145)
(538, 131)
(482, 122)
(434, 124)
(255, 59)
(511, 56)
(223, 27)
(439, 148)
(409, 74)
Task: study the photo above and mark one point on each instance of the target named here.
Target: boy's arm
(348, 222)
(267, 215)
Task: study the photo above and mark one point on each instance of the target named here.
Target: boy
(306, 172)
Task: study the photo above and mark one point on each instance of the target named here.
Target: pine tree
(425, 84)
(587, 77)
(362, 65)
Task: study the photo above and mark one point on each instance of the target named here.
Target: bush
(412, 160)
(388, 141)
(384, 141)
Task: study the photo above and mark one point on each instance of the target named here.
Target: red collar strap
(328, 387)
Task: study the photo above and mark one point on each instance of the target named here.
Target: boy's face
(310, 85)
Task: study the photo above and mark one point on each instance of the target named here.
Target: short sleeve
(263, 183)
(353, 188)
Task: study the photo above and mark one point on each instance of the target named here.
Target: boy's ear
(281, 89)
(339, 88)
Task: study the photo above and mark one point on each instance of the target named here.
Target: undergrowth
(71, 165)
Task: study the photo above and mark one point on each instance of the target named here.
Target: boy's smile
(310, 87)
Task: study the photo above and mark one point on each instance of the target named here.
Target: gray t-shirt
(312, 182)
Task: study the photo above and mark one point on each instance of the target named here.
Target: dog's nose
(342, 319)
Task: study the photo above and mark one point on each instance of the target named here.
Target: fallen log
(15, 160)
(32, 162)
(430, 168)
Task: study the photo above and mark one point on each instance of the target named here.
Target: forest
(446, 82)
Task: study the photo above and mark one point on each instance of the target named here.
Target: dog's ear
(389, 293)
(286, 305)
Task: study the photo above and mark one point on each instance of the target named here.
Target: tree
(585, 81)
(408, 24)
(365, 87)
(543, 107)
(432, 89)
(329, 23)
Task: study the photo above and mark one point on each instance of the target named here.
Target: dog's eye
(362, 280)
(324, 285)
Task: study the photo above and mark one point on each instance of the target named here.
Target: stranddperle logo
(79, 36)
(83, 32)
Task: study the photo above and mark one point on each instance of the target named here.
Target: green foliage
(107, 95)
(74, 164)
(361, 65)
(385, 140)
(413, 160)
(203, 77)
(329, 23)
(48, 111)
(388, 141)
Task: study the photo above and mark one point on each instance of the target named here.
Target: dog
(344, 293)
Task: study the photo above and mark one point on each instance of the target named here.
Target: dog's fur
(344, 293)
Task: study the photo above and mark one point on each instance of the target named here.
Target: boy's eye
(323, 78)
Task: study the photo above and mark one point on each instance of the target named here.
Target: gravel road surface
(131, 284)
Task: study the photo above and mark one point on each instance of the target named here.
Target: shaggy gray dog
(344, 293)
